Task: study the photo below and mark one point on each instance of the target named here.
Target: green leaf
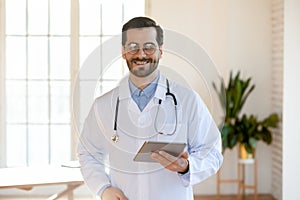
(246, 95)
(252, 142)
(225, 130)
(224, 143)
(246, 129)
(248, 148)
(271, 121)
(267, 137)
(232, 141)
(237, 98)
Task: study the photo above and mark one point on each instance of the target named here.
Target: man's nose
(141, 53)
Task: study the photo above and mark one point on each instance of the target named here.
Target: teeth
(140, 62)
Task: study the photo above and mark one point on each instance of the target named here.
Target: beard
(146, 67)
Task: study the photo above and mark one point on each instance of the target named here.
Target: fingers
(177, 164)
(121, 197)
(158, 157)
(112, 193)
(167, 156)
(184, 154)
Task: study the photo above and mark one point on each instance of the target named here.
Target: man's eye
(133, 48)
(149, 46)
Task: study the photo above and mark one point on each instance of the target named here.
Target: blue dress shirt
(142, 97)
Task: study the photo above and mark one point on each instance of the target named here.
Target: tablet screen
(148, 147)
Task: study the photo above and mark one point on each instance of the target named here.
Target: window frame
(74, 69)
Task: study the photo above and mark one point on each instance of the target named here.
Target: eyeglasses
(133, 48)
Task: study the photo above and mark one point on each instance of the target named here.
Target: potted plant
(249, 130)
(242, 130)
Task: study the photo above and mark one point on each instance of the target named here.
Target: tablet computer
(143, 155)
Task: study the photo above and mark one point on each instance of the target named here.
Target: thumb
(121, 196)
(184, 155)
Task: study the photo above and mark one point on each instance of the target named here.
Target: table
(28, 177)
(240, 179)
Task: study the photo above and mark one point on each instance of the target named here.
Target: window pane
(90, 17)
(60, 58)
(115, 71)
(87, 46)
(38, 17)
(108, 85)
(15, 11)
(111, 52)
(60, 101)
(112, 15)
(16, 145)
(37, 58)
(133, 8)
(16, 101)
(38, 102)
(88, 92)
(15, 57)
(38, 144)
(60, 143)
(60, 17)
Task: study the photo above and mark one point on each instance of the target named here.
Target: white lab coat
(104, 162)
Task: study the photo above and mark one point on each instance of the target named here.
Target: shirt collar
(148, 91)
(124, 88)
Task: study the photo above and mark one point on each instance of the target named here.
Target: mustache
(141, 60)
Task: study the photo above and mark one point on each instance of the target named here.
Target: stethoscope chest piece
(115, 138)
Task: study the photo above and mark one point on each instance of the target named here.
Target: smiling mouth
(141, 62)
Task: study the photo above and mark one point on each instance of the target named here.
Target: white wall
(291, 99)
(236, 35)
(2, 88)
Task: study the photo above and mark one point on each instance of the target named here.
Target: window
(41, 51)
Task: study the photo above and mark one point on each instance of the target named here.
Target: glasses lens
(132, 48)
(149, 48)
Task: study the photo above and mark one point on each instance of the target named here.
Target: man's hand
(176, 164)
(112, 193)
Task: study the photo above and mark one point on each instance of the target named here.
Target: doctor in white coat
(146, 106)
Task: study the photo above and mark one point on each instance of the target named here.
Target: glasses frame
(133, 48)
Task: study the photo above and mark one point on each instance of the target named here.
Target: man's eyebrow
(131, 43)
(149, 43)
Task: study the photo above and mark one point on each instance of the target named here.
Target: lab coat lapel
(160, 93)
(161, 89)
(124, 93)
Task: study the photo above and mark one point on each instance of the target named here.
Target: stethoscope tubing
(115, 136)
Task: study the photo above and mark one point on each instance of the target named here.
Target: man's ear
(123, 52)
(160, 52)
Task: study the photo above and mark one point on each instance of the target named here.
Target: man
(146, 106)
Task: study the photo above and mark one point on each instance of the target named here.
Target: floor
(234, 197)
(211, 197)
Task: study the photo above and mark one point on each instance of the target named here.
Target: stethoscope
(115, 137)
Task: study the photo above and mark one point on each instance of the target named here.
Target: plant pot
(243, 154)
